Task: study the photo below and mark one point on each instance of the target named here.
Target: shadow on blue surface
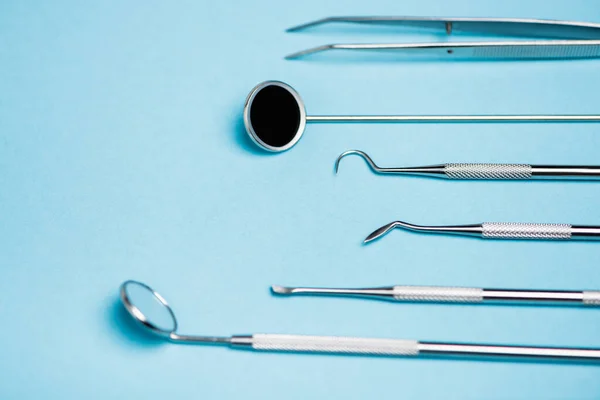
(243, 140)
(126, 329)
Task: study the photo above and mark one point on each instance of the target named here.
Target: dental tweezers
(465, 171)
(563, 39)
(499, 230)
(445, 294)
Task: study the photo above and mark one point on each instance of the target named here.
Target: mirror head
(148, 308)
(274, 116)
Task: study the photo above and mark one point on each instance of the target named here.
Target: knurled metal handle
(555, 49)
(335, 344)
(509, 230)
(591, 298)
(438, 294)
(488, 171)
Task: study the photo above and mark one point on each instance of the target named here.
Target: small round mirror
(148, 307)
(274, 116)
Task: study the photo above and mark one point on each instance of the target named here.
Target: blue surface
(122, 155)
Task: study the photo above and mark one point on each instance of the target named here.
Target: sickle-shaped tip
(378, 233)
(362, 154)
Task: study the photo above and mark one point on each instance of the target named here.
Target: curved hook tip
(362, 154)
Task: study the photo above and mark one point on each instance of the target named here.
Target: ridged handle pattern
(487, 171)
(509, 230)
(335, 344)
(591, 298)
(439, 294)
(538, 51)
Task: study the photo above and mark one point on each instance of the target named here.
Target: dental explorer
(450, 294)
(464, 171)
(152, 311)
(499, 230)
(275, 117)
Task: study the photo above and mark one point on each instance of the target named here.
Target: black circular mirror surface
(274, 116)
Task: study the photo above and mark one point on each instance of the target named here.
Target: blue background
(123, 156)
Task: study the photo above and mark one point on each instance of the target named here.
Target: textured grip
(335, 344)
(543, 50)
(591, 298)
(440, 294)
(487, 171)
(508, 230)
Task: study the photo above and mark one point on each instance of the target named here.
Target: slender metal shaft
(442, 294)
(460, 349)
(190, 339)
(452, 118)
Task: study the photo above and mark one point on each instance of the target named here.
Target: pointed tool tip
(306, 25)
(378, 233)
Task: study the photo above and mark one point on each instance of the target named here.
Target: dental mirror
(153, 312)
(275, 117)
(148, 308)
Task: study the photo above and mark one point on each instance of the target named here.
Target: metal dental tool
(499, 230)
(153, 313)
(562, 39)
(485, 171)
(444, 294)
(275, 117)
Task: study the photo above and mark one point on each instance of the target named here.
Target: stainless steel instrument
(153, 312)
(275, 117)
(485, 171)
(562, 39)
(445, 294)
(499, 230)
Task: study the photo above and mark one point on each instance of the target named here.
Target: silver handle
(479, 295)
(487, 171)
(398, 347)
(438, 294)
(512, 230)
(335, 344)
(519, 171)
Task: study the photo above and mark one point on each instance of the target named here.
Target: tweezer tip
(308, 24)
(306, 52)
